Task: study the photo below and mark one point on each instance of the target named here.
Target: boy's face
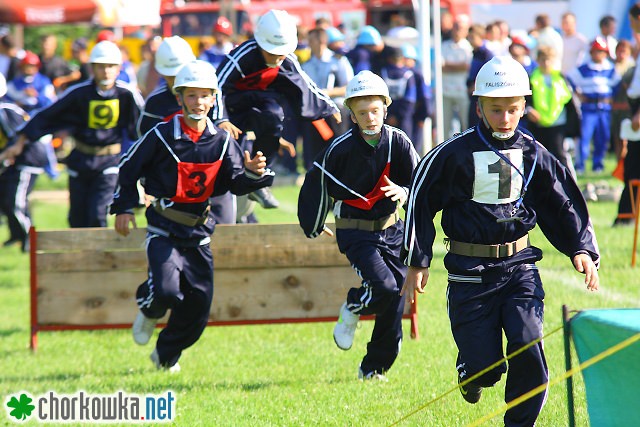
(196, 101)
(502, 114)
(105, 74)
(598, 56)
(368, 113)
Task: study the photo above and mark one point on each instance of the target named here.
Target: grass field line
(576, 281)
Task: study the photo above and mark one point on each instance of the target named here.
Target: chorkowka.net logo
(53, 407)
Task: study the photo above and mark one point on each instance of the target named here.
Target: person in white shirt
(548, 36)
(456, 59)
(608, 28)
(576, 45)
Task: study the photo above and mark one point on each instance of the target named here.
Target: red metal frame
(35, 327)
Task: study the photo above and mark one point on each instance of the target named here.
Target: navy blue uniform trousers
(15, 187)
(180, 279)
(479, 313)
(375, 256)
(90, 194)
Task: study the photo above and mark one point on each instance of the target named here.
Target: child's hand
(394, 191)
(256, 165)
(584, 264)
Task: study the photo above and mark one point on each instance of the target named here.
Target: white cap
(172, 54)
(366, 83)
(198, 73)
(105, 52)
(276, 33)
(502, 77)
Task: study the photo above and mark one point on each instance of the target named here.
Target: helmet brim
(283, 49)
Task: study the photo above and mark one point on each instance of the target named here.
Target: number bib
(495, 181)
(195, 181)
(104, 114)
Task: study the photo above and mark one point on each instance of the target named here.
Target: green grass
(293, 374)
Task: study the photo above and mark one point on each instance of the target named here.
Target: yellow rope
(473, 377)
(595, 359)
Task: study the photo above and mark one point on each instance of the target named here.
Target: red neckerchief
(192, 133)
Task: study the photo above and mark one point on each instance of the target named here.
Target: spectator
(147, 76)
(632, 156)
(9, 55)
(608, 29)
(456, 60)
(576, 45)
(546, 112)
(548, 36)
(222, 32)
(367, 54)
(620, 110)
(31, 90)
(331, 74)
(519, 50)
(53, 66)
(423, 98)
(595, 82)
(79, 66)
(481, 54)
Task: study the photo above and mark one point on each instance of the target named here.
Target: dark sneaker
(265, 198)
(470, 392)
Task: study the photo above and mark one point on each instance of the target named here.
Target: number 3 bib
(195, 181)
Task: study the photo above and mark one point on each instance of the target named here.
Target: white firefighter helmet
(502, 77)
(198, 73)
(276, 33)
(366, 83)
(172, 54)
(106, 52)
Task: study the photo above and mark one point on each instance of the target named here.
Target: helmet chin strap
(192, 116)
(371, 132)
(502, 136)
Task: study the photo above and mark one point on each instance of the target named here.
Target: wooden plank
(224, 258)
(240, 235)
(254, 295)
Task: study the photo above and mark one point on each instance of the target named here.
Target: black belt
(487, 251)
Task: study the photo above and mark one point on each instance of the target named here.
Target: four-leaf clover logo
(22, 407)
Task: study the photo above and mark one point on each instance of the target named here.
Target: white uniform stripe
(418, 181)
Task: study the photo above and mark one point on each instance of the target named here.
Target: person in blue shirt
(595, 82)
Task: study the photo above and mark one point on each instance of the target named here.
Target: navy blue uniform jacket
(350, 163)
(473, 187)
(93, 117)
(152, 160)
(244, 70)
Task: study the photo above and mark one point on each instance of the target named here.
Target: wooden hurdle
(85, 279)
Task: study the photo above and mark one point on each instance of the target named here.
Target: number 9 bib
(195, 181)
